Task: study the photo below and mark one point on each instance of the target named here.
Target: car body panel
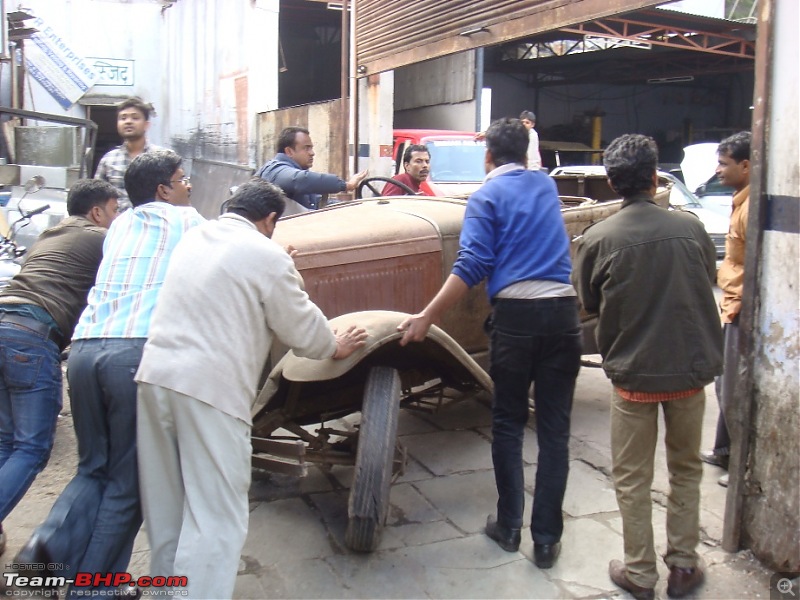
(715, 196)
(386, 257)
(296, 377)
(393, 254)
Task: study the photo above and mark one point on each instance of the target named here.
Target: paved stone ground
(433, 545)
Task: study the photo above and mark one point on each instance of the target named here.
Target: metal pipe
(345, 88)
(478, 87)
(4, 55)
(356, 99)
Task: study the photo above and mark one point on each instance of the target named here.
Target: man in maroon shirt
(417, 164)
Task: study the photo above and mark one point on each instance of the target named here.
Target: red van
(457, 160)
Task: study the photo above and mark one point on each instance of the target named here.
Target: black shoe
(506, 537)
(33, 558)
(712, 458)
(545, 555)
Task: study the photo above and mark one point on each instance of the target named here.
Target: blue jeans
(535, 341)
(30, 400)
(92, 525)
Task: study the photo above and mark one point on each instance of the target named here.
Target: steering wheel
(368, 182)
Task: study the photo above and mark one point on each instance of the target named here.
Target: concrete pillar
(763, 503)
(375, 112)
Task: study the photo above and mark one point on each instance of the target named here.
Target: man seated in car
(417, 164)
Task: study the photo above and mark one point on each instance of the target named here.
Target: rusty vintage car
(371, 263)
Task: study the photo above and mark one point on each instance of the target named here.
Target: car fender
(382, 345)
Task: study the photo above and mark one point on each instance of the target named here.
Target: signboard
(52, 62)
(112, 71)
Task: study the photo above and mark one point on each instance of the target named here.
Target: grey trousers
(724, 385)
(194, 478)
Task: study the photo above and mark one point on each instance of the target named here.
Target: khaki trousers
(634, 431)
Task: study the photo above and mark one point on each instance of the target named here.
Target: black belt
(49, 332)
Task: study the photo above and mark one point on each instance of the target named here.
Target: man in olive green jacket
(648, 273)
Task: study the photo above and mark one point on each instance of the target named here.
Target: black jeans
(535, 341)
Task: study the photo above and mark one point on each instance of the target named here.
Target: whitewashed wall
(207, 66)
(221, 69)
(129, 30)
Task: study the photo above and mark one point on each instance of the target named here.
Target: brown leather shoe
(684, 580)
(619, 575)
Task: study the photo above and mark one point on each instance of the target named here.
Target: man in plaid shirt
(133, 121)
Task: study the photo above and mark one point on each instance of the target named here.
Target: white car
(716, 224)
(699, 173)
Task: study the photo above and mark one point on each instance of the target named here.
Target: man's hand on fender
(349, 341)
(415, 327)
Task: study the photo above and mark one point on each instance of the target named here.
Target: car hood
(454, 190)
(699, 163)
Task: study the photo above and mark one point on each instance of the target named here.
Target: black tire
(368, 505)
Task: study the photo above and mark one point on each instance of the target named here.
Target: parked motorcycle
(10, 253)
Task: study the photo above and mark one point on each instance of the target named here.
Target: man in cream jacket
(229, 291)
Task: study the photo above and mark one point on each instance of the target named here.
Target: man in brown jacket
(734, 171)
(38, 311)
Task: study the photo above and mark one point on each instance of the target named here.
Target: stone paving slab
(587, 547)
(579, 503)
(285, 530)
(465, 499)
(470, 413)
(409, 506)
(433, 545)
(447, 452)
(475, 567)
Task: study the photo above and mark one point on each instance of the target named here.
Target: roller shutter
(393, 33)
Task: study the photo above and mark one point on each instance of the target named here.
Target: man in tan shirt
(733, 170)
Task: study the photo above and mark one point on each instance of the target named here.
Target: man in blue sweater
(290, 171)
(514, 237)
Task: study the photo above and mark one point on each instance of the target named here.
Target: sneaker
(723, 481)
